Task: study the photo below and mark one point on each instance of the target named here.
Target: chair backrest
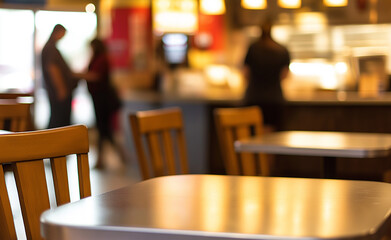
(15, 95)
(25, 152)
(14, 116)
(237, 123)
(160, 142)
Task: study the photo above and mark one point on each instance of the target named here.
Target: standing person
(59, 80)
(266, 64)
(104, 96)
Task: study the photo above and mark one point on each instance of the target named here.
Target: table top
(318, 143)
(227, 207)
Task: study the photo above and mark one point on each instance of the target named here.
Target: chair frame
(156, 127)
(18, 115)
(15, 95)
(25, 152)
(237, 123)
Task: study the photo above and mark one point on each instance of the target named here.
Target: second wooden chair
(164, 151)
(14, 116)
(238, 123)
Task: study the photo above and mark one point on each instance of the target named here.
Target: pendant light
(335, 3)
(212, 7)
(289, 3)
(254, 4)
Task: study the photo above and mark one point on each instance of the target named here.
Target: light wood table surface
(226, 207)
(328, 145)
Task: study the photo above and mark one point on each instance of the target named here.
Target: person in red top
(104, 96)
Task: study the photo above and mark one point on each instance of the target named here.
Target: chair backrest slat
(7, 227)
(25, 152)
(231, 161)
(138, 144)
(155, 153)
(33, 194)
(60, 180)
(184, 166)
(83, 170)
(238, 123)
(169, 152)
(159, 127)
(248, 159)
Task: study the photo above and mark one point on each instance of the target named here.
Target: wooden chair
(25, 152)
(154, 133)
(238, 123)
(14, 116)
(15, 95)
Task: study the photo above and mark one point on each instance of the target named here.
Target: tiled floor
(114, 176)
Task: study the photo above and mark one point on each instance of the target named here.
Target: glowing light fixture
(335, 3)
(289, 3)
(90, 8)
(175, 16)
(341, 67)
(311, 21)
(254, 4)
(217, 74)
(212, 7)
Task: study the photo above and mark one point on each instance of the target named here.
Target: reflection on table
(229, 207)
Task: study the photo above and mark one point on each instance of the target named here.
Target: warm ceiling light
(335, 3)
(254, 4)
(90, 8)
(289, 3)
(174, 16)
(212, 7)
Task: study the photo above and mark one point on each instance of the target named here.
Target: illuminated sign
(175, 16)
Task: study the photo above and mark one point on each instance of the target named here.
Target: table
(226, 207)
(328, 145)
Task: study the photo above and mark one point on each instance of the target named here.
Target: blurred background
(194, 47)
(190, 53)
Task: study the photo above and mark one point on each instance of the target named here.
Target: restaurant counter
(226, 96)
(338, 98)
(317, 111)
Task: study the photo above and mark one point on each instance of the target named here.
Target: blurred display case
(335, 57)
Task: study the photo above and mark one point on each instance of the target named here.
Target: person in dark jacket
(266, 64)
(59, 80)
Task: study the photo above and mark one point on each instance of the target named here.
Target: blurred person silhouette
(59, 80)
(266, 64)
(160, 65)
(104, 96)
